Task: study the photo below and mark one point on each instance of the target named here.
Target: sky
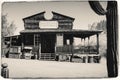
(81, 11)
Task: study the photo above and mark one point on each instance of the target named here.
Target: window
(37, 39)
(28, 39)
(68, 42)
(59, 39)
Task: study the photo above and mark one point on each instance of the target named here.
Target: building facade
(53, 43)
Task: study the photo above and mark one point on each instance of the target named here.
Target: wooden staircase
(47, 56)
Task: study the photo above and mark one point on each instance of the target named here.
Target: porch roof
(72, 32)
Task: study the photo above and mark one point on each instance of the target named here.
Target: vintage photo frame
(36, 45)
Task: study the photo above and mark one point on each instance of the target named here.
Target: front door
(47, 45)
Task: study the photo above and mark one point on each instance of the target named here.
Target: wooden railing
(81, 49)
(65, 48)
(86, 49)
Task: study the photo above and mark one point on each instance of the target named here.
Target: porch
(50, 44)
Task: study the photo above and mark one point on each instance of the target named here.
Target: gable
(64, 22)
(57, 16)
(39, 16)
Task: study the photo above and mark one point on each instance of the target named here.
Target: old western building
(53, 43)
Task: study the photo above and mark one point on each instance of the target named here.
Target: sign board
(48, 24)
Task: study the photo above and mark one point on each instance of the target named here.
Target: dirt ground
(21, 68)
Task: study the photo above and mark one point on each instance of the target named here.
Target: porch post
(84, 45)
(97, 43)
(34, 39)
(85, 53)
(39, 51)
(10, 44)
(55, 45)
(22, 46)
(10, 41)
(72, 50)
(88, 45)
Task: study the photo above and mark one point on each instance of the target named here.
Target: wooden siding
(64, 22)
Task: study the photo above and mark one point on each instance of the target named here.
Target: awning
(72, 32)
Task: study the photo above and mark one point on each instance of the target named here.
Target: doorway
(47, 43)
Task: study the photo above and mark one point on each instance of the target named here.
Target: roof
(34, 15)
(12, 36)
(54, 13)
(74, 32)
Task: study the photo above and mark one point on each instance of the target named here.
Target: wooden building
(12, 47)
(57, 42)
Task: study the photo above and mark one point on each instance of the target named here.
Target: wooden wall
(64, 22)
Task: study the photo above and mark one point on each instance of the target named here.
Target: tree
(4, 26)
(112, 34)
(7, 30)
(93, 26)
(100, 26)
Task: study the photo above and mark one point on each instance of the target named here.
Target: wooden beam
(72, 50)
(22, 44)
(34, 39)
(10, 41)
(88, 45)
(97, 43)
(39, 51)
(55, 43)
(84, 45)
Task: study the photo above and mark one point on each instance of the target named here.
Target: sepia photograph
(59, 39)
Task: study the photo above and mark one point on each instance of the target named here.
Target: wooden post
(10, 44)
(72, 51)
(39, 51)
(55, 47)
(22, 46)
(10, 41)
(34, 39)
(88, 51)
(85, 53)
(97, 43)
(84, 45)
(88, 45)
